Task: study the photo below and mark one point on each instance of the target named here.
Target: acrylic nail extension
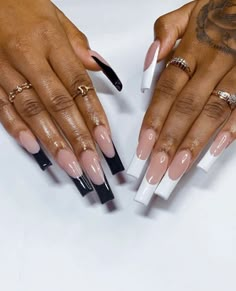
(216, 150)
(145, 146)
(28, 141)
(108, 149)
(107, 70)
(156, 170)
(68, 162)
(150, 65)
(94, 170)
(177, 169)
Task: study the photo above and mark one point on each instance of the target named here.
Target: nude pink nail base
(108, 149)
(177, 169)
(218, 147)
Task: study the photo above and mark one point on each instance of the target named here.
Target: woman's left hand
(193, 98)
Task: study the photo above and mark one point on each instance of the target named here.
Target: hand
(40, 46)
(185, 111)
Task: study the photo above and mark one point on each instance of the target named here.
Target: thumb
(171, 27)
(90, 59)
(78, 41)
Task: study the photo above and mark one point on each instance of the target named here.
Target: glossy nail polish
(216, 150)
(28, 141)
(177, 169)
(150, 65)
(155, 172)
(94, 170)
(68, 162)
(108, 149)
(145, 146)
(107, 70)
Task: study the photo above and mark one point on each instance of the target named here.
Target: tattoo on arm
(216, 25)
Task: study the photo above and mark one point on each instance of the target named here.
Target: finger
(168, 29)
(33, 112)
(227, 134)
(168, 87)
(89, 58)
(62, 108)
(214, 114)
(73, 75)
(18, 129)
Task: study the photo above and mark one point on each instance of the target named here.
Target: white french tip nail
(166, 187)
(145, 192)
(136, 167)
(149, 73)
(207, 162)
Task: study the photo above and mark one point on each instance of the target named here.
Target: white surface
(53, 240)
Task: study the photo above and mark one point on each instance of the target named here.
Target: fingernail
(94, 170)
(107, 70)
(150, 65)
(216, 150)
(177, 169)
(29, 142)
(108, 149)
(68, 162)
(145, 146)
(156, 170)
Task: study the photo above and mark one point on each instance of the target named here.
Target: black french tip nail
(110, 73)
(115, 164)
(83, 185)
(42, 160)
(104, 192)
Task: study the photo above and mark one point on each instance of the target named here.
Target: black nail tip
(110, 73)
(104, 192)
(115, 164)
(42, 160)
(83, 185)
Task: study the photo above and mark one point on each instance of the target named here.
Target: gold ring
(19, 89)
(182, 64)
(83, 90)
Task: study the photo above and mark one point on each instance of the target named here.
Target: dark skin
(183, 112)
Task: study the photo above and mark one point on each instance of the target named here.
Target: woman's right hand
(40, 46)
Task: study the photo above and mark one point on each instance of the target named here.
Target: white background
(53, 240)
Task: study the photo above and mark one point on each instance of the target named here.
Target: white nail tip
(207, 162)
(145, 192)
(166, 187)
(136, 167)
(149, 73)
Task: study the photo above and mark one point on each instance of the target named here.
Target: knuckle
(160, 22)
(31, 107)
(45, 28)
(60, 102)
(216, 110)
(187, 105)
(3, 104)
(18, 45)
(166, 89)
(78, 80)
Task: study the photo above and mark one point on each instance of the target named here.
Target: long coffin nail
(150, 65)
(156, 170)
(94, 170)
(177, 169)
(68, 162)
(219, 145)
(107, 70)
(108, 149)
(28, 141)
(145, 146)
